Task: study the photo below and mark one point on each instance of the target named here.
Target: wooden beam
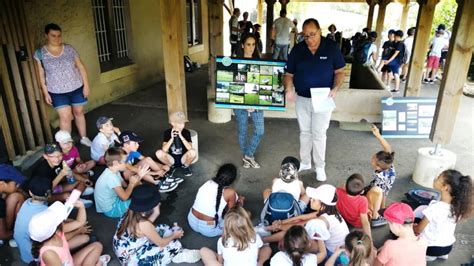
(7, 135)
(216, 39)
(260, 12)
(270, 18)
(370, 16)
(404, 17)
(380, 21)
(454, 76)
(172, 36)
(420, 46)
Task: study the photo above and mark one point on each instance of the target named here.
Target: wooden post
(171, 27)
(420, 46)
(260, 12)
(216, 42)
(270, 5)
(404, 17)
(457, 64)
(380, 21)
(7, 135)
(370, 16)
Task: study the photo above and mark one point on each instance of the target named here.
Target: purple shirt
(61, 73)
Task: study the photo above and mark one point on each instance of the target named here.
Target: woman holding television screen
(248, 147)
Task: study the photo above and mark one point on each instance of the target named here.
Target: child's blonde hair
(237, 225)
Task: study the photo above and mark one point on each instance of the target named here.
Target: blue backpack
(279, 206)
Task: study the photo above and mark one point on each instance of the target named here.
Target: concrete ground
(347, 152)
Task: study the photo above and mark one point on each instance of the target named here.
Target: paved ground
(347, 152)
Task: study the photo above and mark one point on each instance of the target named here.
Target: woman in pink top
(50, 244)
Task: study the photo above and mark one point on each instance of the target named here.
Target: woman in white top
(288, 182)
(297, 246)
(239, 244)
(213, 197)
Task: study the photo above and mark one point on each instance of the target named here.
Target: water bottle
(70, 177)
(176, 227)
(178, 144)
(343, 258)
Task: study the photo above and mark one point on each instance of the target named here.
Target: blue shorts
(72, 98)
(394, 67)
(205, 228)
(118, 209)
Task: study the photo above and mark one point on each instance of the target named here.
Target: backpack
(279, 206)
(405, 54)
(188, 64)
(419, 196)
(361, 52)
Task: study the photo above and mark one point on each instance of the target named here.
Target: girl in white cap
(49, 240)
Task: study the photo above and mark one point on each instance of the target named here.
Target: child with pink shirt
(71, 154)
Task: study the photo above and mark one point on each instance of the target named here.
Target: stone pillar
(404, 17)
(380, 21)
(420, 46)
(457, 64)
(370, 16)
(171, 19)
(270, 5)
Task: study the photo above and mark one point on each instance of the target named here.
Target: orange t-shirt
(402, 252)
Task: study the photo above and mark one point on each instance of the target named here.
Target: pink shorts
(433, 62)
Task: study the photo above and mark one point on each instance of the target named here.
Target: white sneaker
(87, 203)
(86, 141)
(12, 243)
(304, 167)
(444, 257)
(431, 258)
(88, 191)
(261, 231)
(187, 256)
(320, 174)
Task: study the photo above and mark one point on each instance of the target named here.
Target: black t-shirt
(42, 169)
(246, 26)
(399, 46)
(387, 50)
(177, 149)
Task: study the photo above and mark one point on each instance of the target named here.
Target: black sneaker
(378, 222)
(187, 171)
(174, 179)
(426, 81)
(166, 186)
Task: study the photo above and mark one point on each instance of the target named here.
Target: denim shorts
(118, 209)
(205, 228)
(72, 98)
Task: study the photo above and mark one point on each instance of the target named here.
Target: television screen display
(249, 84)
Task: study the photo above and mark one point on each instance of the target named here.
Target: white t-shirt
(100, 141)
(372, 50)
(282, 259)
(283, 27)
(247, 257)
(440, 230)
(437, 44)
(294, 187)
(409, 43)
(333, 236)
(205, 201)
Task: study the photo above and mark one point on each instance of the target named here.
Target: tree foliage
(445, 13)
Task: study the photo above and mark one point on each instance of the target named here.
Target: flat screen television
(249, 84)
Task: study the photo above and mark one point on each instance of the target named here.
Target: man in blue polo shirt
(315, 63)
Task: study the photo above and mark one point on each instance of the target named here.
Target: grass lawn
(251, 98)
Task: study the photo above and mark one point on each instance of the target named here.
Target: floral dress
(141, 251)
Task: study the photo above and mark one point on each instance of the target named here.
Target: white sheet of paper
(321, 101)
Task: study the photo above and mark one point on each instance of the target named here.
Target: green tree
(445, 13)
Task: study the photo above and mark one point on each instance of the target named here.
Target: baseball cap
(102, 120)
(288, 172)
(317, 230)
(40, 186)
(291, 159)
(43, 225)
(51, 148)
(324, 193)
(127, 136)
(63, 136)
(399, 213)
(178, 117)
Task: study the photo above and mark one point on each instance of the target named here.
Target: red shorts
(433, 62)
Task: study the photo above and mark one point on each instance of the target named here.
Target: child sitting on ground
(357, 250)
(239, 244)
(130, 143)
(11, 200)
(106, 138)
(177, 150)
(325, 223)
(297, 249)
(352, 205)
(112, 193)
(138, 241)
(71, 154)
(439, 219)
(289, 182)
(383, 178)
(49, 240)
(408, 249)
